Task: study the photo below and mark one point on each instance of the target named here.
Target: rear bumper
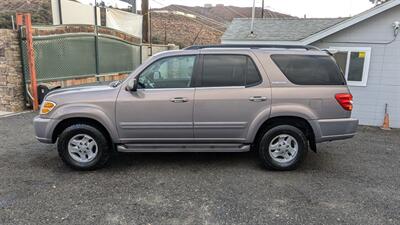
(44, 129)
(334, 129)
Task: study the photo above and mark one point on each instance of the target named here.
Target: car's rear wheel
(83, 147)
(282, 147)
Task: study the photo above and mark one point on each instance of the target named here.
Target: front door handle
(258, 98)
(179, 100)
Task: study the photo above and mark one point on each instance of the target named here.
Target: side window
(170, 72)
(354, 62)
(253, 77)
(309, 69)
(229, 70)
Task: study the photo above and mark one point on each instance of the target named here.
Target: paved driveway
(347, 182)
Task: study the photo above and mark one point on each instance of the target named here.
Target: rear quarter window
(309, 69)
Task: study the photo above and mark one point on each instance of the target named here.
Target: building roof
(272, 29)
(296, 30)
(352, 21)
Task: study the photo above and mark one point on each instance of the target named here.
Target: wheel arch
(298, 122)
(67, 122)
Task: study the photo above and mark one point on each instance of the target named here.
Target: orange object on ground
(386, 125)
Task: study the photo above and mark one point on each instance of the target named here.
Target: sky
(299, 8)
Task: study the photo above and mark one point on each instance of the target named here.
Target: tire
(277, 148)
(76, 154)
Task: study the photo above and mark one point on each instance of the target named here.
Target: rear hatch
(316, 78)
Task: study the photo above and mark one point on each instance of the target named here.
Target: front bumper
(44, 129)
(334, 129)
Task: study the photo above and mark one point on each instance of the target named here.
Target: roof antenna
(253, 12)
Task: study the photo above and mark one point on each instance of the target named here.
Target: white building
(369, 53)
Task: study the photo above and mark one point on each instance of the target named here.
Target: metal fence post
(21, 19)
(96, 42)
(19, 23)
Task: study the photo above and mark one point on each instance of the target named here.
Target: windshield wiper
(115, 83)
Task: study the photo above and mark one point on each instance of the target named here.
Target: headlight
(47, 106)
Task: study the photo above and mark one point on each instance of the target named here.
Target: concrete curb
(15, 114)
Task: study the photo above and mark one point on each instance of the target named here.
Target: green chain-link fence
(59, 57)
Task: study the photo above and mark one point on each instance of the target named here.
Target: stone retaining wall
(11, 82)
(11, 76)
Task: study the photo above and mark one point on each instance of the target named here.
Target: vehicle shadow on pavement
(49, 159)
(249, 160)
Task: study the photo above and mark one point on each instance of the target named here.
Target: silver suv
(276, 100)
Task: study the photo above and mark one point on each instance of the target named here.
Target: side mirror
(132, 85)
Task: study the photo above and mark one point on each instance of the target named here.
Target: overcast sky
(299, 8)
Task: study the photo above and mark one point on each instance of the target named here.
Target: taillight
(345, 100)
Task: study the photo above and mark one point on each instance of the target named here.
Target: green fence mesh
(66, 57)
(117, 56)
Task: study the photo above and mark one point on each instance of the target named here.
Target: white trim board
(367, 62)
(349, 22)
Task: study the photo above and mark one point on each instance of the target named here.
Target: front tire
(83, 147)
(282, 148)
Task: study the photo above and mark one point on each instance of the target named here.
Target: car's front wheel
(283, 147)
(83, 147)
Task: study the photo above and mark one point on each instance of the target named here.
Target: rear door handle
(258, 98)
(179, 100)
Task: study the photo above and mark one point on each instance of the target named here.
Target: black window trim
(340, 71)
(200, 65)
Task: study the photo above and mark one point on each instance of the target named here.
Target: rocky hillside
(181, 25)
(182, 30)
(199, 25)
(40, 9)
(225, 14)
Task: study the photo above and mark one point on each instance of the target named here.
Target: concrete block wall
(150, 50)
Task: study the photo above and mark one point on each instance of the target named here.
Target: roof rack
(306, 47)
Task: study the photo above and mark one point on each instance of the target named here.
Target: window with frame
(170, 72)
(229, 70)
(354, 63)
(309, 69)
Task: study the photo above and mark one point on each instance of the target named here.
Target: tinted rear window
(229, 70)
(309, 69)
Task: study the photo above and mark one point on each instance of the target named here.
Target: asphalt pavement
(356, 181)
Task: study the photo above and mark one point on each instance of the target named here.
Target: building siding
(383, 85)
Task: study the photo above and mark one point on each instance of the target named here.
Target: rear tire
(83, 147)
(282, 148)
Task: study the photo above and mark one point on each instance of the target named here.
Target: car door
(229, 95)
(162, 107)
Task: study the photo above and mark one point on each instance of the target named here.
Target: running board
(183, 148)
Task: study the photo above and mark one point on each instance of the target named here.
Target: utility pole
(150, 36)
(262, 10)
(96, 41)
(165, 31)
(145, 27)
(252, 18)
